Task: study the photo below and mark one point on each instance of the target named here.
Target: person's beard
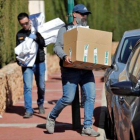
(81, 21)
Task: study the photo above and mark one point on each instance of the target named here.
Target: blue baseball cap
(80, 8)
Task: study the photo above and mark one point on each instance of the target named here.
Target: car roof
(130, 33)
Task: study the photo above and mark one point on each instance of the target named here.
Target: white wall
(36, 6)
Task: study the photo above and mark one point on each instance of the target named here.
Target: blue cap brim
(83, 12)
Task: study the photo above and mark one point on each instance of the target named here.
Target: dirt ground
(52, 64)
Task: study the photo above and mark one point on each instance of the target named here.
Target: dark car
(127, 104)
(118, 111)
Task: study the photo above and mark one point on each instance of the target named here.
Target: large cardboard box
(89, 49)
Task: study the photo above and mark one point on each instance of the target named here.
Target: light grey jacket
(58, 48)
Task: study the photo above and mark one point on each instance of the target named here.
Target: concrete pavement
(14, 127)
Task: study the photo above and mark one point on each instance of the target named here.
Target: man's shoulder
(65, 27)
(62, 30)
(20, 32)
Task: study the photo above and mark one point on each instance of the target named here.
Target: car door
(118, 63)
(135, 101)
(126, 105)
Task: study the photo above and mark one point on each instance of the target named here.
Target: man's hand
(33, 36)
(67, 59)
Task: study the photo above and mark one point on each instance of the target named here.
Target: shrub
(9, 10)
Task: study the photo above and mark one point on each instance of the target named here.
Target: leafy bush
(9, 10)
(115, 16)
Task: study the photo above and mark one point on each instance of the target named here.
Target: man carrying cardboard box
(72, 77)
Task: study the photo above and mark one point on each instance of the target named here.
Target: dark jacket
(20, 37)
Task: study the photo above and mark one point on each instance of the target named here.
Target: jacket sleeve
(40, 40)
(17, 43)
(17, 40)
(58, 47)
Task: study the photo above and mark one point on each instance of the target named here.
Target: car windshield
(128, 44)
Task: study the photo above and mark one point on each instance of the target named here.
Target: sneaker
(28, 115)
(50, 124)
(89, 131)
(41, 110)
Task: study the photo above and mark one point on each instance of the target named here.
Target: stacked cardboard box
(89, 49)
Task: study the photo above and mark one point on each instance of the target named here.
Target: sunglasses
(26, 23)
(82, 13)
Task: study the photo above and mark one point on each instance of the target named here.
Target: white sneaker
(89, 131)
(50, 124)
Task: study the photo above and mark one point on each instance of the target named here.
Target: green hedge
(9, 10)
(115, 16)
(54, 9)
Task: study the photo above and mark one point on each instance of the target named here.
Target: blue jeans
(70, 80)
(39, 71)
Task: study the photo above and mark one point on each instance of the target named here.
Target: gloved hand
(33, 36)
(22, 65)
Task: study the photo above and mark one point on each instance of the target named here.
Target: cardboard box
(89, 49)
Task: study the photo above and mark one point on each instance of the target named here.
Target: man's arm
(58, 48)
(17, 43)
(17, 40)
(40, 40)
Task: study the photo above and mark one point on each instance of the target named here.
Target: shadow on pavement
(100, 116)
(53, 102)
(20, 110)
(36, 108)
(39, 115)
(60, 127)
(101, 120)
(36, 113)
(56, 78)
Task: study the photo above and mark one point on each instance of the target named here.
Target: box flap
(96, 36)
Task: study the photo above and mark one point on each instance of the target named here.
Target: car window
(134, 65)
(128, 44)
(136, 72)
(132, 61)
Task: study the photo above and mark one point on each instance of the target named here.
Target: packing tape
(106, 57)
(95, 56)
(85, 52)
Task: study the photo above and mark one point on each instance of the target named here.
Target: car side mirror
(124, 88)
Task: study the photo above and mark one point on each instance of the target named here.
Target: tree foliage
(9, 9)
(116, 16)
